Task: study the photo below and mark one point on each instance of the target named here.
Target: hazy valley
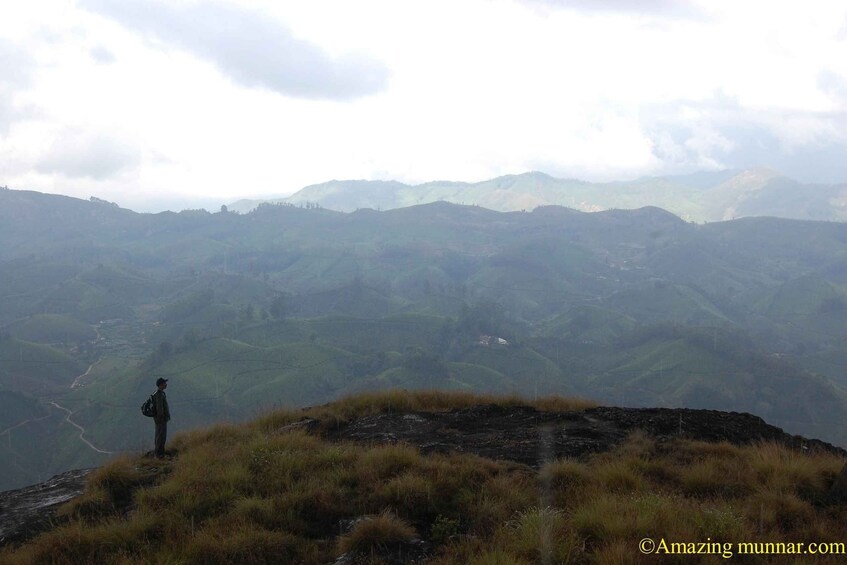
(289, 306)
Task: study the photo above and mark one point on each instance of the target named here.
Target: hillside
(447, 478)
(287, 306)
(697, 197)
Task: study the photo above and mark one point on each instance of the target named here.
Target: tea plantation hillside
(287, 306)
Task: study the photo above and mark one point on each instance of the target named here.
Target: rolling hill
(289, 306)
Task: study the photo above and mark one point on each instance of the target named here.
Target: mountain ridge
(703, 196)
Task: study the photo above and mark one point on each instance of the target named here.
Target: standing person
(163, 414)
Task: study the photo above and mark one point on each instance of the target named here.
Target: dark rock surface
(27, 511)
(531, 437)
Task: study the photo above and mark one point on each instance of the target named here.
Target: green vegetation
(35, 368)
(288, 306)
(270, 492)
(52, 329)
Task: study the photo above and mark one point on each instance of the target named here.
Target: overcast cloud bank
(228, 98)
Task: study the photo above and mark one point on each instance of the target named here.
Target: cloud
(720, 133)
(15, 74)
(78, 154)
(834, 86)
(102, 55)
(251, 48)
(680, 9)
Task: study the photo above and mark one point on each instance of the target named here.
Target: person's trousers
(161, 436)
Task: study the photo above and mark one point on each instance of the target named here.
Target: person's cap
(161, 381)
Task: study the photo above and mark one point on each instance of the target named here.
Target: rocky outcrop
(27, 511)
(529, 436)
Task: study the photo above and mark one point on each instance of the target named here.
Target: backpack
(149, 407)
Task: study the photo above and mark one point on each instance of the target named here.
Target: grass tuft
(378, 532)
(385, 461)
(712, 477)
(247, 545)
(564, 481)
(778, 511)
(111, 488)
(541, 534)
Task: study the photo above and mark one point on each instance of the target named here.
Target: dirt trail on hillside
(78, 381)
(80, 428)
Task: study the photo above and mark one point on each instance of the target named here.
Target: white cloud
(722, 133)
(102, 55)
(250, 47)
(663, 8)
(834, 85)
(15, 74)
(81, 154)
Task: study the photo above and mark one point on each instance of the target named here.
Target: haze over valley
(290, 306)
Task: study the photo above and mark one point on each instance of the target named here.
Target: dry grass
(401, 401)
(541, 534)
(110, 489)
(383, 462)
(245, 544)
(376, 532)
(223, 435)
(786, 470)
(253, 494)
(715, 478)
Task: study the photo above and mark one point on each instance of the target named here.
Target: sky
(165, 103)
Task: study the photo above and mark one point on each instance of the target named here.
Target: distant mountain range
(699, 197)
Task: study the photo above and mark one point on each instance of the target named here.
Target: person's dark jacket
(160, 401)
